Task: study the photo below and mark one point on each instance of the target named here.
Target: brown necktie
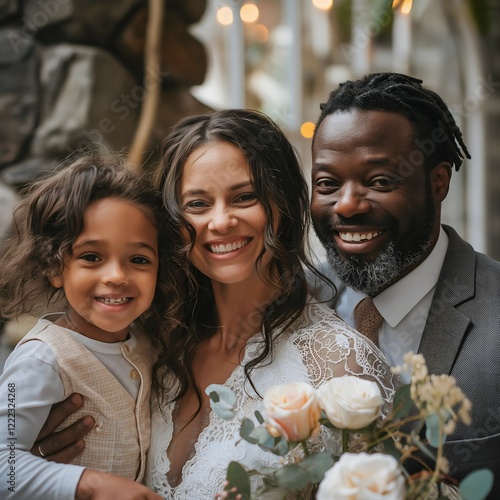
(367, 319)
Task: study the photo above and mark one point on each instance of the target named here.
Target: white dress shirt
(404, 306)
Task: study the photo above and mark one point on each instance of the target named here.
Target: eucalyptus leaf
(316, 465)
(390, 448)
(281, 448)
(421, 446)
(476, 485)
(246, 429)
(222, 400)
(262, 437)
(259, 417)
(237, 477)
(402, 402)
(214, 397)
(432, 431)
(292, 477)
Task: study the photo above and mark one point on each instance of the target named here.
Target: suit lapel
(446, 326)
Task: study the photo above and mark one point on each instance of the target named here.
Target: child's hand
(95, 485)
(64, 445)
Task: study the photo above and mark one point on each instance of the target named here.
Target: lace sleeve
(331, 348)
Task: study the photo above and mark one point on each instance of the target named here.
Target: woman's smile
(229, 247)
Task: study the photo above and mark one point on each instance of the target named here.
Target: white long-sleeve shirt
(29, 385)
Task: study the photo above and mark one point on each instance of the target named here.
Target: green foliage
(222, 400)
(262, 437)
(291, 477)
(476, 485)
(415, 439)
(434, 432)
(238, 479)
(402, 402)
(479, 11)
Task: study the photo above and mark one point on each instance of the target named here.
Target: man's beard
(391, 263)
(371, 277)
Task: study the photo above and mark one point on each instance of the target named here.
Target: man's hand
(67, 444)
(94, 485)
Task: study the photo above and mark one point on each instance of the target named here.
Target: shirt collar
(395, 302)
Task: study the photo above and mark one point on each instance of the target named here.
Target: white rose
(292, 410)
(363, 477)
(350, 402)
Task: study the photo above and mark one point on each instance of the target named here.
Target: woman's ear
(57, 281)
(440, 180)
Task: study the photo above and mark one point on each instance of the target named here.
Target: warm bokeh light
(225, 16)
(259, 33)
(249, 13)
(307, 129)
(323, 4)
(405, 6)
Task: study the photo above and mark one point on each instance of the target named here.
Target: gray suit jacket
(462, 338)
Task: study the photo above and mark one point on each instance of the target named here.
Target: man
(383, 153)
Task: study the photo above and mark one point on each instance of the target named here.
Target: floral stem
(304, 447)
(345, 437)
(439, 456)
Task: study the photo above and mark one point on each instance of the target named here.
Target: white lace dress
(318, 347)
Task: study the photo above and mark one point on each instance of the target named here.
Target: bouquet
(374, 451)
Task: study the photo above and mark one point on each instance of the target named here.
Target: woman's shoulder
(319, 317)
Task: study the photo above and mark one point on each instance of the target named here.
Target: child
(87, 238)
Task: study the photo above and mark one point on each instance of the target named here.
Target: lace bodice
(318, 347)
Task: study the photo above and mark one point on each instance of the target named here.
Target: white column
(292, 17)
(475, 99)
(361, 39)
(236, 58)
(401, 42)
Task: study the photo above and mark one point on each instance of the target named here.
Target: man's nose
(351, 200)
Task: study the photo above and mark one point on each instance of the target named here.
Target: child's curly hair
(49, 219)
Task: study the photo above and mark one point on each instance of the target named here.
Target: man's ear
(440, 180)
(57, 281)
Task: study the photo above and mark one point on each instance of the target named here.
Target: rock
(18, 93)
(8, 200)
(88, 22)
(183, 57)
(8, 8)
(88, 97)
(191, 12)
(22, 173)
(73, 76)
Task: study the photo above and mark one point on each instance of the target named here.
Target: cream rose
(293, 410)
(363, 477)
(350, 402)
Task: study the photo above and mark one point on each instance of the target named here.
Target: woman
(242, 316)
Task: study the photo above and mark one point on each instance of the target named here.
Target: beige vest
(120, 439)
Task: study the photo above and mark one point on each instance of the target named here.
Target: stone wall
(72, 73)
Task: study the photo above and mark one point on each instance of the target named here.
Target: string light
(249, 13)
(225, 16)
(259, 33)
(404, 5)
(307, 129)
(323, 4)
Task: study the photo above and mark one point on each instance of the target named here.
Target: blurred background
(117, 74)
